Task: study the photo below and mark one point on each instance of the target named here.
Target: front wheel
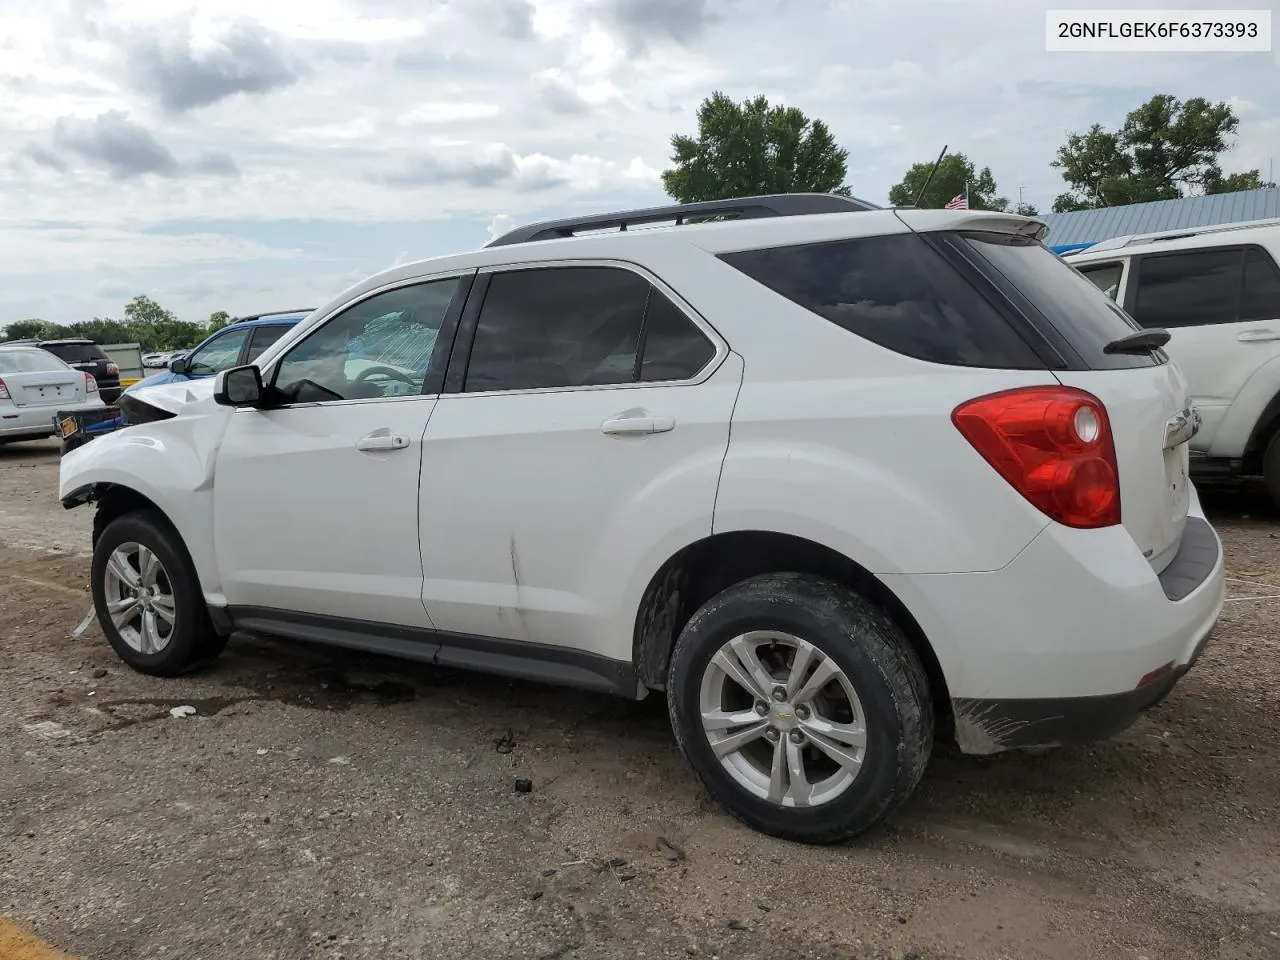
(801, 706)
(148, 598)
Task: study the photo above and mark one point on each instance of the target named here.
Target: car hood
(176, 397)
(156, 378)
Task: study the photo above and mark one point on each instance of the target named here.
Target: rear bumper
(37, 421)
(1072, 640)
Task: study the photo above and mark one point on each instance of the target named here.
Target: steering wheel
(381, 371)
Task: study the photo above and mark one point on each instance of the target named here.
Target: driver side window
(379, 347)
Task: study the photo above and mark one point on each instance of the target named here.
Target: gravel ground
(324, 805)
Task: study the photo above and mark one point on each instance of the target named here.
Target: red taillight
(90, 384)
(4, 391)
(112, 370)
(1054, 445)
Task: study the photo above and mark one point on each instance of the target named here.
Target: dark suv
(88, 356)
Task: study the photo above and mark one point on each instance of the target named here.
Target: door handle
(1257, 336)
(381, 440)
(637, 425)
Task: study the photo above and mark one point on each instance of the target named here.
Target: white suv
(822, 473)
(1217, 291)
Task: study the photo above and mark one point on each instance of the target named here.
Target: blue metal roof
(1091, 226)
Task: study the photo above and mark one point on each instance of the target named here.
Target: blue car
(239, 342)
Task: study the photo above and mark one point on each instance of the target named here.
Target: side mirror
(238, 387)
(178, 365)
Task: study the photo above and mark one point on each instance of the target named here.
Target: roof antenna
(936, 164)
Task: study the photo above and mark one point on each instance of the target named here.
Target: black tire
(1271, 468)
(874, 655)
(193, 640)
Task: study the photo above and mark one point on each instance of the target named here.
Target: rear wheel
(801, 706)
(1271, 468)
(148, 598)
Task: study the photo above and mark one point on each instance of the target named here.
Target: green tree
(33, 329)
(749, 148)
(1026, 210)
(954, 173)
(217, 320)
(1165, 149)
(1232, 182)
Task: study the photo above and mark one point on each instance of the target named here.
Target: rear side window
(674, 348)
(77, 352)
(1073, 307)
(1189, 289)
(1261, 298)
(895, 291)
(580, 327)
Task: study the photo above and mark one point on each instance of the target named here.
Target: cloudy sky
(250, 155)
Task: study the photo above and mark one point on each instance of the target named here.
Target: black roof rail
(740, 208)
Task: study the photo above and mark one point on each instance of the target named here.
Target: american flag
(959, 202)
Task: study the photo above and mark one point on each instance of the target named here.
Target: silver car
(34, 386)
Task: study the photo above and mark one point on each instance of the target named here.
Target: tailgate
(1152, 422)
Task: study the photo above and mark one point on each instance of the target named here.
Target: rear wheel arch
(699, 571)
(1267, 425)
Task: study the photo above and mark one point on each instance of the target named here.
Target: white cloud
(500, 224)
(374, 113)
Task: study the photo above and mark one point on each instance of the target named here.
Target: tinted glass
(1104, 276)
(561, 327)
(895, 291)
(380, 347)
(674, 348)
(1079, 312)
(1188, 289)
(1261, 299)
(77, 352)
(218, 354)
(30, 361)
(262, 338)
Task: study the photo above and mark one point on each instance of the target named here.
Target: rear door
(35, 378)
(592, 408)
(1222, 307)
(1145, 395)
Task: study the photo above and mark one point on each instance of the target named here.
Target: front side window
(218, 354)
(1188, 289)
(262, 338)
(380, 347)
(1105, 276)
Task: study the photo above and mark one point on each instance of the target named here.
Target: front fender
(170, 462)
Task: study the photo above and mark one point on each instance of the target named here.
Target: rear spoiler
(925, 221)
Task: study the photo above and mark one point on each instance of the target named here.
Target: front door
(593, 421)
(331, 466)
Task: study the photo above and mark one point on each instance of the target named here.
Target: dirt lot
(323, 805)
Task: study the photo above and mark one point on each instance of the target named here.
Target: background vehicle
(34, 386)
(84, 354)
(1217, 291)
(817, 474)
(240, 341)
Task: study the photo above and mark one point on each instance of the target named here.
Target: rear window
(77, 352)
(28, 361)
(1078, 312)
(896, 291)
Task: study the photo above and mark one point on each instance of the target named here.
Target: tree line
(145, 322)
(1166, 148)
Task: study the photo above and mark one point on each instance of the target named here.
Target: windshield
(30, 361)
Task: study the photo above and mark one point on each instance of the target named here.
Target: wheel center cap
(783, 716)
